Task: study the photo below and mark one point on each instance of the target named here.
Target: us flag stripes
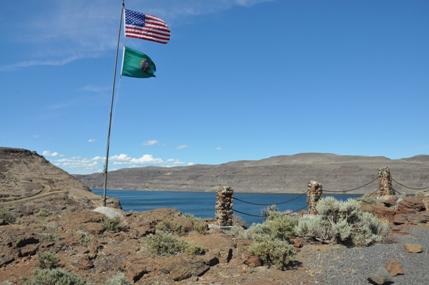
(146, 27)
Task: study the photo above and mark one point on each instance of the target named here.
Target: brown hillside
(279, 174)
(28, 183)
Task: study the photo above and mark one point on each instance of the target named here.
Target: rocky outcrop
(29, 183)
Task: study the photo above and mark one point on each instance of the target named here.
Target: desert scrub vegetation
(368, 199)
(118, 279)
(164, 243)
(271, 238)
(47, 260)
(55, 277)
(199, 225)
(113, 224)
(7, 216)
(51, 236)
(342, 222)
(170, 226)
(43, 213)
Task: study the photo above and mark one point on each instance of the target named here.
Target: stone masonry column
(314, 193)
(385, 182)
(223, 208)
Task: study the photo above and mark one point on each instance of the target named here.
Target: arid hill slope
(279, 174)
(28, 183)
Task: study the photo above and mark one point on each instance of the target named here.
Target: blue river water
(202, 204)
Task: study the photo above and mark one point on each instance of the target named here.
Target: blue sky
(239, 80)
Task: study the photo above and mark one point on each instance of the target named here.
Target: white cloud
(82, 165)
(181, 146)
(48, 153)
(219, 148)
(151, 143)
(147, 159)
(92, 140)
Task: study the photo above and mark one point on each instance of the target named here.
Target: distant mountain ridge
(277, 174)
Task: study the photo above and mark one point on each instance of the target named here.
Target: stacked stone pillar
(223, 208)
(385, 182)
(314, 194)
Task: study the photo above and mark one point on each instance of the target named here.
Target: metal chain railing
(327, 191)
(412, 188)
(261, 204)
(349, 190)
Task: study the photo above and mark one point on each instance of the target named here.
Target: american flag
(146, 27)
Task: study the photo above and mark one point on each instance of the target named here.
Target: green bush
(170, 226)
(281, 225)
(51, 236)
(272, 250)
(199, 225)
(113, 224)
(342, 222)
(85, 239)
(266, 212)
(270, 239)
(368, 199)
(43, 213)
(163, 243)
(7, 216)
(55, 277)
(118, 279)
(47, 260)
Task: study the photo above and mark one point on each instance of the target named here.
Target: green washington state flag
(137, 64)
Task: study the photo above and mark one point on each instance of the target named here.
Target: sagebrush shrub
(47, 260)
(7, 216)
(281, 225)
(51, 236)
(55, 277)
(270, 239)
(368, 199)
(170, 226)
(266, 212)
(342, 222)
(118, 279)
(199, 225)
(113, 224)
(272, 250)
(43, 213)
(163, 243)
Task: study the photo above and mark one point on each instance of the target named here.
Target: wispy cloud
(72, 30)
(29, 63)
(92, 140)
(151, 143)
(181, 146)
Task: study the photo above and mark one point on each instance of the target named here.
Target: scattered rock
(413, 247)
(382, 276)
(108, 212)
(410, 205)
(394, 267)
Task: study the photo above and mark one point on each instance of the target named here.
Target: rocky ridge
(279, 174)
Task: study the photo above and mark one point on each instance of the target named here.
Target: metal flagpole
(111, 108)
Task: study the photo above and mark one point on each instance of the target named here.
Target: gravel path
(341, 265)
